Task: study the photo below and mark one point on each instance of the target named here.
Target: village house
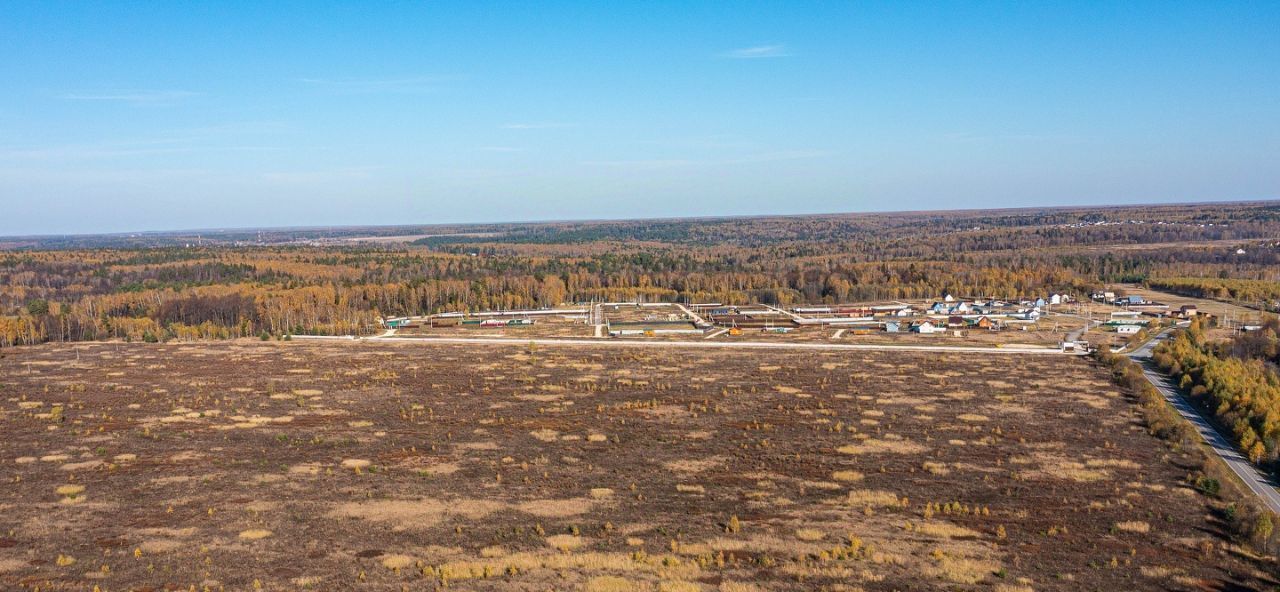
(1026, 315)
(888, 309)
(982, 322)
(927, 327)
(1126, 317)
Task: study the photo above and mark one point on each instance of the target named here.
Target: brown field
(362, 466)
(542, 328)
(1223, 310)
(1048, 332)
(1044, 333)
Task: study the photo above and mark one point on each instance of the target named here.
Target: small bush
(1208, 485)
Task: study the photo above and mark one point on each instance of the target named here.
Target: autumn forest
(166, 286)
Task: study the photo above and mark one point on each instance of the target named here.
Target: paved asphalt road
(703, 344)
(1220, 444)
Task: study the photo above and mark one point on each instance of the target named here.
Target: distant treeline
(225, 291)
(1260, 293)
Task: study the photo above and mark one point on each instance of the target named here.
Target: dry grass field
(1224, 310)
(362, 466)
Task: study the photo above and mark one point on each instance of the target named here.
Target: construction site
(1054, 321)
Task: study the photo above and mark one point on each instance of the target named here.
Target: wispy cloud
(759, 51)
(87, 152)
(645, 164)
(311, 177)
(667, 163)
(136, 97)
(233, 128)
(968, 137)
(720, 142)
(220, 137)
(96, 178)
(408, 84)
(538, 125)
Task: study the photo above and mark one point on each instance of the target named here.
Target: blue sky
(135, 116)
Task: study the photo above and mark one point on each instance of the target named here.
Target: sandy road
(1254, 479)
(700, 344)
(698, 321)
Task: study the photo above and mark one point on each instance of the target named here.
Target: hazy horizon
(130, 118)
(708, 216)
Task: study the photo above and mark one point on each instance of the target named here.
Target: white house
(928, 327)
(1128, 329)
(1026, 315)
